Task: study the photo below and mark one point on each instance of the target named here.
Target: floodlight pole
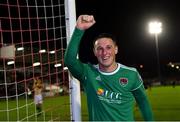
(158, 59)
(155, 28)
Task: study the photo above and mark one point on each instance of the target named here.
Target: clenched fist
(85, 21)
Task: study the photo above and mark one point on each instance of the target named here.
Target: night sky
(128, 20)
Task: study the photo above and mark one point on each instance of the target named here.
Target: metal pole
(158, 60)
(74, 84)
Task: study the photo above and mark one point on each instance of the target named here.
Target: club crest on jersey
(123, 81)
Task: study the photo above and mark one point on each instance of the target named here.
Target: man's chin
(106, 64)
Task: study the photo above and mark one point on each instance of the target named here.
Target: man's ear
(116, 50)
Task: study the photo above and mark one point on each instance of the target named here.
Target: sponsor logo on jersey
(123, 81)
(109, 96)
(100, 91)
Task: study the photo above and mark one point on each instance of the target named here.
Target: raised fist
(85, 21)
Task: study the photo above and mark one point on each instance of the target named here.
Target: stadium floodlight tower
(155, 28)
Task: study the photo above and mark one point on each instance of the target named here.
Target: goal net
(32, 44)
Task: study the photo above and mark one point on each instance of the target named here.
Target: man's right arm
(74, 65)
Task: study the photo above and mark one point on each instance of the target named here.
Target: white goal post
(74, 85)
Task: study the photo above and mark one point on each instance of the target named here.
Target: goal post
(74, 85)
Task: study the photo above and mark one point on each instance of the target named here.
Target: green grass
(54, 108)
(165, 103)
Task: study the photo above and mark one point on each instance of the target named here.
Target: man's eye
(99, 48)
(109, 47)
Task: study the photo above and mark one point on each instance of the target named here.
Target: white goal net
(33, 41)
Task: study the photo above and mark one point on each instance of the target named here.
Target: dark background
(128, 20)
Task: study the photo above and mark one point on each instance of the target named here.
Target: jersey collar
(109, 73)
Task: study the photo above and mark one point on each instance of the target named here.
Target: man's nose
(104, 51)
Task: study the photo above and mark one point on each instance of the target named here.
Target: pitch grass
(165, 102)
(54, 108)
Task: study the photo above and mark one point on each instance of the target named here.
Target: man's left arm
(143, 103)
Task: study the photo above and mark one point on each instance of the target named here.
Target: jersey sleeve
(143, 103)
(75, 66)
(141, 98)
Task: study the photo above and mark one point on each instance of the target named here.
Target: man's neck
(107, 69)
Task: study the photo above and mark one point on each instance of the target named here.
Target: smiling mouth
(106, 58)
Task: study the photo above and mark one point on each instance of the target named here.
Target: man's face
(105, 50)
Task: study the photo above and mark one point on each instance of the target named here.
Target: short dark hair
(105, 35)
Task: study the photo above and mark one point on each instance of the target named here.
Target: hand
(85, 21)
